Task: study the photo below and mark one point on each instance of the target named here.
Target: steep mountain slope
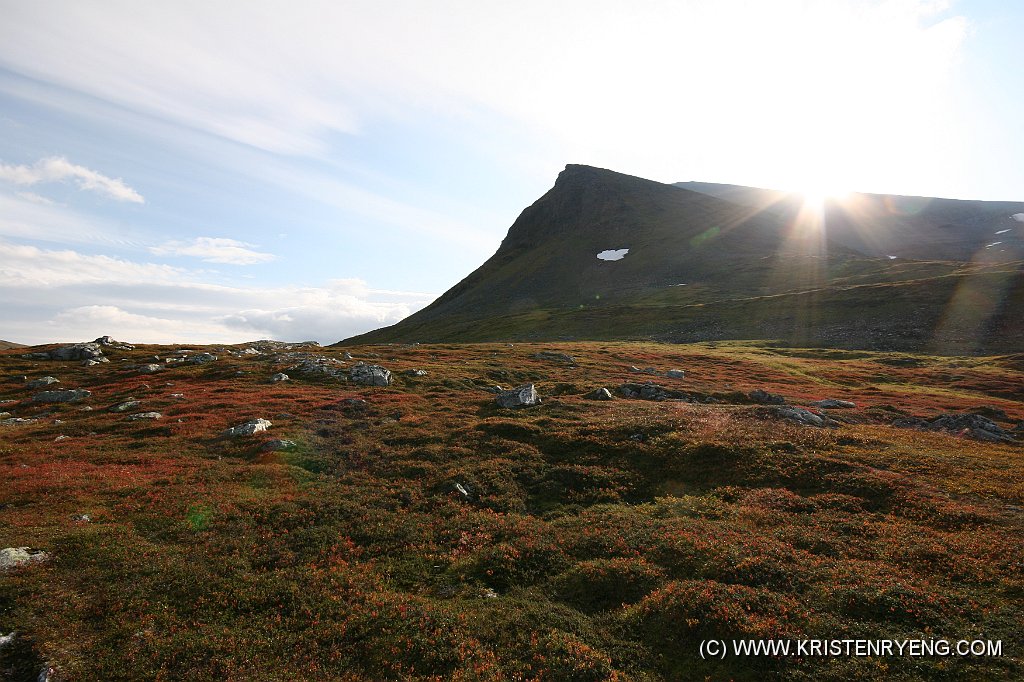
(748, 264)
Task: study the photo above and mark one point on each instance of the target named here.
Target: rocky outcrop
(834, 404)
(72, 395)
(249, 428)
(41, 382)
(765, 398)
(12, 557)
(972, 426)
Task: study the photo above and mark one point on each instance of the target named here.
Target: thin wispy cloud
(57, 168)
(214, 250)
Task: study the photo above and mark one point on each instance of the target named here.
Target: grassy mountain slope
(741, 265)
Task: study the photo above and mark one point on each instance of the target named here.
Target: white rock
(248, 428)
(19, 556)
(370, 375)
(145, 415)
(280, 376)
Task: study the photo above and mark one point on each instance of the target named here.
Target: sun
(816, 195)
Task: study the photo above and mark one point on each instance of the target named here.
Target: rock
(107, 341)
(19, 378)
(415, 372)
(463, 491)
(7, 640)
(675, 374)
(555, 357)
(651, 391)
(60, 438)
(150, 368)
(279, 444)
(81, 518)
(800, 415)
(12, 557)
(139, 416)
(44, 381)
(369, 375)
(248, 428)
(4, 415)
(280, 376)
(69, 396)
(766, 398)
(14, 421)
(90, 363)
(834, 404)
(488, 593)
(321, 365)
(523, 396)
(971, 425)
(347, 355)
(600, 394)
(129, 404)
(178, 396)
(78, 351)
(202, 358)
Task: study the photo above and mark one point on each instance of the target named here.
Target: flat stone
(129, 404)
(69, 396)
(248, 428)
(145, 415)
(41, 382)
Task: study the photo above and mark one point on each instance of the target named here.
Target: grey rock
(523, 396)
(90, 363)
(766, 398)
(463, 491)
(320, 365)
(651, 391)
(150, 368)
(4, 415)
(43, 381)
(129, 404)
(78, 351)
(834, 404)
(675, 374)
(415, 372)
(81, 518)
(140, 416)
(12, 557)
(248, 428)
(107, 341)
(69, 396)
(800, 415)
(7, 640)
(202, 358)
(36, 356)
(279, 444)
(971, 425)
(369, 375)
(14, 421)
(60, 438)
(600, 394)
(347, 355)
(280, 376)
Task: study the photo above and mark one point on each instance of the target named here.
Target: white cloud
(57, 168)
(35, 198)
(214, 250)
(65, 295)
(26, 218)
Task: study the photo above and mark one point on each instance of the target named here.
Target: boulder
(600, 394)
(14, 421)
(280, 376)
(415, 372)
(202, 358)
(766, 398)
(129, 404)
(12, 557)
(320, 365)
(44, 381)
(78, 351)
(800, 416)
(107, 341)
(150, 368)
(675, 374)
(523, 396)
(369, 375)
(248, 428)
(69, 396)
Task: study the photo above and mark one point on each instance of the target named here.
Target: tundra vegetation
(420, 531)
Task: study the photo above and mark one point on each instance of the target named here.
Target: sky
(217, 172)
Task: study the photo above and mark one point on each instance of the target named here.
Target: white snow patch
(1019, 217)
(613, 254)
(1003, 231)
(892, 257)
(989, 246)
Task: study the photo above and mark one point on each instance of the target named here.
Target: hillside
(419, 531)
(735, 266)
(7, 345)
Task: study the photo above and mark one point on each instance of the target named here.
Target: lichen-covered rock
(72, 395)
(248, 428)
(202, 358)
(523, 396)
(369, 375)
(415, 372)
(280, 376)
(12, 557)
(675, 374)
(150, 368)
(320, 365)
(800, 416)
(600, 394)
(42, 381)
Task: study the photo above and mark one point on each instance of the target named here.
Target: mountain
(704, 262)
(8, 345)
